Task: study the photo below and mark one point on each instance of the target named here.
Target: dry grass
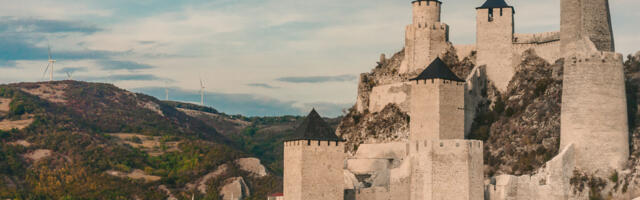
(7, 125)
(150, 144)
(50, 92)
(38, 154)
(4, 105)
(23, 143)
(135, 174)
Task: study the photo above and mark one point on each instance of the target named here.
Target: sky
(255, 57)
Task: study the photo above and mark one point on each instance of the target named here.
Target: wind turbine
(69, 75)
(201, 92)
(51, 62)
(166, 94)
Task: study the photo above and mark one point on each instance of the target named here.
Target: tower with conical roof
(313, 162)
(426, 38)
(443, 164)
(494, 41)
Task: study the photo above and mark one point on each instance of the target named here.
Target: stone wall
(494, 42)
(382, 95)
(426, 11)
(446, 169)
(313, 170)
(546, 45)
(594, 109)
(437, 110)
(464, 50)
(423, 43)
(586, 18)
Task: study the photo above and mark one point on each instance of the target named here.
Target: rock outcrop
(234, 189)
(252, 165)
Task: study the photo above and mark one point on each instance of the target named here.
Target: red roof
(277, 195)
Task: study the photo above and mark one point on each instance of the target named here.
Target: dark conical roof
(495, 4)
(314, 128)
(438, 70)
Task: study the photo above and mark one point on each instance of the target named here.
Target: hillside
(78, 140)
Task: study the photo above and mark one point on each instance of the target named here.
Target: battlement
(431, 25)
(422, 146)
(536, 38)
(426, 3)
(426, 11)
(311, 143)
(438, 81)
(493, 14)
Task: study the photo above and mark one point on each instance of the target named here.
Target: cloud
(318, 79)
(73, 69)
(245, 104)
(262, 85)
(119, 65)
(7, 63)
(20, 47)
(33, 25)
(125, 77)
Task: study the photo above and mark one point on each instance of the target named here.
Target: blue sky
(257, 57)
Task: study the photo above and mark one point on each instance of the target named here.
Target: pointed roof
(314, 128)
(437, 70)
(495, 4)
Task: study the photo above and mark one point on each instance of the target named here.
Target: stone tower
(313, 162)
(426, 38)
(586, 18)
(494, 41)
(443, 164)
(437, 104)
(594, 107)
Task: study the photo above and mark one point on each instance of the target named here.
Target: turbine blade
(49, 50)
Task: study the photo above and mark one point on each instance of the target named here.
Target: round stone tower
(313, 162)
(426, 11)
(494, 41)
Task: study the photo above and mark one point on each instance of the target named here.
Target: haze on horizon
(257, 57)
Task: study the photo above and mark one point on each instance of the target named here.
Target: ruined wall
(423, 43)
(313, 170)
(494, 42)
(382, 95)
(546, 45)
(437, 110)
(586, 18)
(594, 109)
(474, 87)
(446, 169)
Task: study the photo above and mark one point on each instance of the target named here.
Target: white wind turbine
(166, 94)
(70, 75)
(51, 62)
(201, 92)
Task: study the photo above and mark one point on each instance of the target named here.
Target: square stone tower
(426, 38)
(494, 41)
(437, 104)
(443, 164)
(314, 162)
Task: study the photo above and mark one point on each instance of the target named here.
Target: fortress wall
(451, 110)
(317, 168)
(594, 110)
(423, 43)
(426, 11)
(464, 50)
(382, 95)
(549, 51)
(374, 193)
(447, 169)
(494, 44)
(391, 150)
(425, 110)
(475, 83)
(528, 38)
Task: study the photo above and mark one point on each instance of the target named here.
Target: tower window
(500, 11)
(490, 14)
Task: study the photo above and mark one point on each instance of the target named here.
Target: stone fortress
(437, 162)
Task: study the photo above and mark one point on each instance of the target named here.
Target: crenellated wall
(423, 43)
(313, 170)
(546, 45)
(446, 169)
(426, 11)
(436, 110)
(594, 109)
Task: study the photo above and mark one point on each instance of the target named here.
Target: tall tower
(586, 18)
(494, 41)
(437, 104)
(594, 107)
(443, 164)
(313, 162)
(426, 38)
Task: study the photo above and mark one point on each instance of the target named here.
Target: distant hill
(79, 140)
